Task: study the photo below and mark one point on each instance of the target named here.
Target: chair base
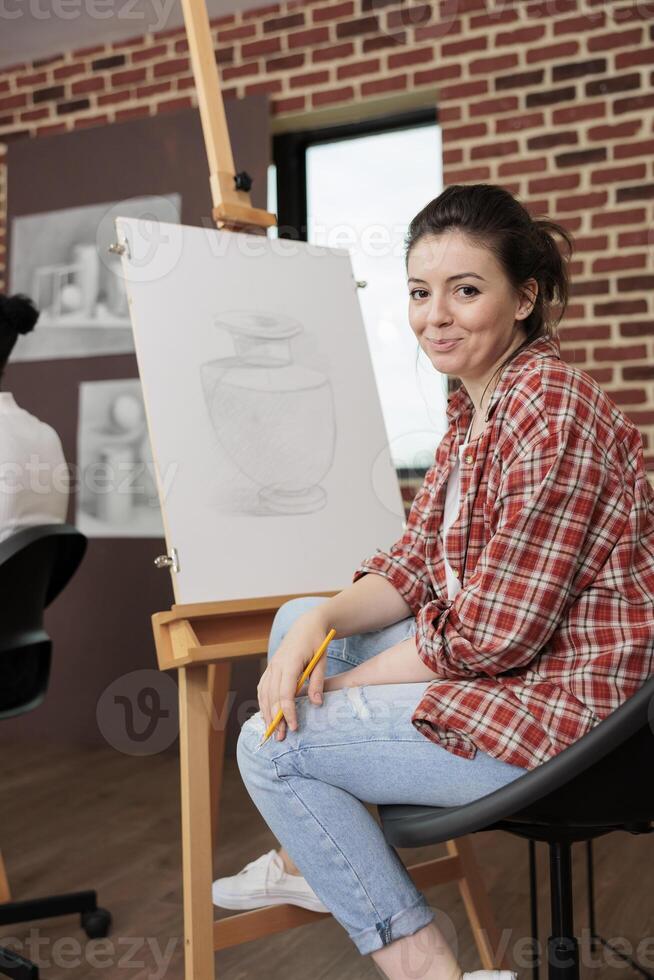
(17, 967)
(94, 920)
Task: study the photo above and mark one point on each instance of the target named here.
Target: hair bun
(18, 314)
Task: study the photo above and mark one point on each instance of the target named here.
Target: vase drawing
(275, 419)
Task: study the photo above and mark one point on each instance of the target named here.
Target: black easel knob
(242, 181)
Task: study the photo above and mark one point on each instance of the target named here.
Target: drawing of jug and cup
(275, 419)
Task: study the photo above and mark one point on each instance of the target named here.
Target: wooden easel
(202, 640)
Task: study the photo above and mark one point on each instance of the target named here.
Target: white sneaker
(490, 975)
(265, 882)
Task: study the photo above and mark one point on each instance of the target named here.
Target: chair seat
(584, 791)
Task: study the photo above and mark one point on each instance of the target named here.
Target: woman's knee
(286, 615)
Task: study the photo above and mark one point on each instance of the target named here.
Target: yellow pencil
(307, 670)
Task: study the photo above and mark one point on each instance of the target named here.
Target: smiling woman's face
(458, 291)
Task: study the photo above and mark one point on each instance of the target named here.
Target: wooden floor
(75, 819)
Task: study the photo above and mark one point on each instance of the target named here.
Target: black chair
(601, 783)
(36, 564)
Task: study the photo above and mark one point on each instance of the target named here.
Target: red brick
(466, 132)
(175, 67)
(471, 175)
(358, 68)
(321, 14)
(413, 16)
(284, 64)
(598, 134)
(614, 353)
(259, 88)
(489, 66)
(309, 78)
(386, 40)
(235, 33)
(260, 12)
(283, 23)
(295, 104)
(240, 70)
(466, 46)
(611, 174)
(334, 52)
(146, 91)
(608, 42)
(519, 36)
(53, 130)
(617, 262)
(87, 122)
(303, 39)
(434, 32)
(330, 96)
(185, 83)
(128, 77)
(85, 85)
(173, 105)
(628, 58)
(137, 113)
(606, 219)
(149, 54)
(34, 114)
(432, 75)
(576, 113)
(68, 71)
(463, 90)
(114, 98)
(556, 182)
(270, 45)
(525, 165)
(394, 84)
(580, 25)
(503, 103)
(87, 52)
(26, 81)
(552, 52)
(494, 149)
(413, 57)
(13, 102)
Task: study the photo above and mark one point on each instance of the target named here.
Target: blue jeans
(358, 746)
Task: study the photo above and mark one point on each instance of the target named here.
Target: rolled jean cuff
(403, 923)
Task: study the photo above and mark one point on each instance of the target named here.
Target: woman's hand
(278, 683)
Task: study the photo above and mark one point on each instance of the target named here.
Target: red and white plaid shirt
(553, 627)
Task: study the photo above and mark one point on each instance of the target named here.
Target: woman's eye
(474, 289)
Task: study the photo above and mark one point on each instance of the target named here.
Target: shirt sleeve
(404, 564)
(558, 512)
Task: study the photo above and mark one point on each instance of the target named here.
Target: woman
(33, 472)
(515, 612)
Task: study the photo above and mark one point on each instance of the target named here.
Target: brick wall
(553, 100)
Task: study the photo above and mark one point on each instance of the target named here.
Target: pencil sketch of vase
(275, 419)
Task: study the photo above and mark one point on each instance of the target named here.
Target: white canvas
(265, 422)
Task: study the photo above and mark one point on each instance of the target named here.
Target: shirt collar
(460, 401)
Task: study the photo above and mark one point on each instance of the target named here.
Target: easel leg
(219, 680)
(5, 891)
(194, 727)
(478, 907)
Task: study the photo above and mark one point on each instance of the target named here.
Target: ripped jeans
(358, 746)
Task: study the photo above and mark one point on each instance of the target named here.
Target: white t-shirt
(34, 479)
(452, 505)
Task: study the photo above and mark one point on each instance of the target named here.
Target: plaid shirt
(553, 627)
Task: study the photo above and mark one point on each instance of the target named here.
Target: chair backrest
(36, 563)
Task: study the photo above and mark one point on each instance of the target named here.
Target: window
(357, 187)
